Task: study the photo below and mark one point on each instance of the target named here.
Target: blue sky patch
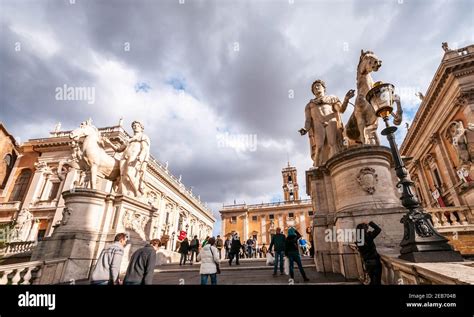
(177, 83)
(142, 87)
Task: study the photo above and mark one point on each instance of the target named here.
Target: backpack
(220, 243)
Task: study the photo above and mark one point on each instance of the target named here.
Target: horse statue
(92, 157)
(362, 125)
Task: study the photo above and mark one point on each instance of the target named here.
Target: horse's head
(368, 62)
(84, 130)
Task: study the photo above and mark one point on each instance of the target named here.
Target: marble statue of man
(134, 161)
(324, 124)
(461, 139)
(22, 226)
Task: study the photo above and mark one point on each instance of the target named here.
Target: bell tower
(290, 183)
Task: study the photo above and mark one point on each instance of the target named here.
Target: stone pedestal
(355, 186)
(90, 222)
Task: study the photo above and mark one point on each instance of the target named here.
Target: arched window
(21, 186)
(8, 161)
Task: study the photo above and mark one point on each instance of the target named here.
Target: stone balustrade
(18, 247)
(397, 271)
(20, 273)
(401, 272)
(36, 272)
(10, 206)
(450, 216)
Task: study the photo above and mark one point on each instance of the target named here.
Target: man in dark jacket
(194, 248)
(142, 265)
(219, 245)
(293, 254)
(184, 249)
(235, 249)
(368, 252)
(278, 240)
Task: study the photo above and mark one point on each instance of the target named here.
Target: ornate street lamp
(421, 241)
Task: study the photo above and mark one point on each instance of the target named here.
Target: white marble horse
(362, 125)
(92, 157)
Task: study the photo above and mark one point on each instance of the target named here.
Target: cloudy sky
(221, 86)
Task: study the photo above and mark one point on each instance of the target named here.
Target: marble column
(68, 184)
(263, 230)
(303, 225)
(246, 226)
(425, 187)
(445, 167)
(223, 220)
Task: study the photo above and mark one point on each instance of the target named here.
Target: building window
(53, 194)
(233, 219)
(21, 186)
(291, 215)
(9, 162)
(310, 213)
(438, 178)
(254, 218)
(271, 216)
(42, 228)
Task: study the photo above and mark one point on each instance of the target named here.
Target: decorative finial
(57, 128)
(445, 46)
(420, 95)
(120, 122)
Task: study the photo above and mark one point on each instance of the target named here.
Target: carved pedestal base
(355, 186)
(92, 220)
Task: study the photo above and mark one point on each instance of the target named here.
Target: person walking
(368, 252)
(303, 245)
(235, 249)
(293, 254)
(264, 251)
(194, 248)
(107, 268)
(209, 262)
(205, 241)
(278, 240)
(142, 265)
(219, 245)
(184, 249)
(227, 244)
(250, 245)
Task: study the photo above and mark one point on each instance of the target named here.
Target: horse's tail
(352, 130)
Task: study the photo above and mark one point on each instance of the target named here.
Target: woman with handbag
(209, 257)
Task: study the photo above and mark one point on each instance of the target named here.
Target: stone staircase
(249, 272)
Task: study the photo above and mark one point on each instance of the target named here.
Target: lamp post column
(421, 241)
